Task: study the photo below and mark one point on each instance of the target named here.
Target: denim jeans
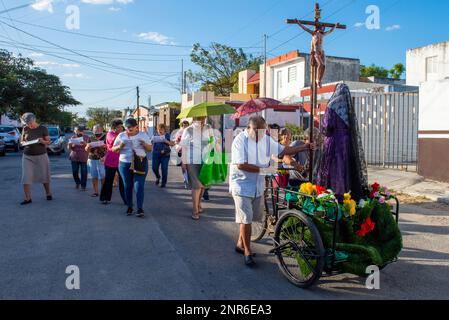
(76, 168)
(160, 161)
(133, 182)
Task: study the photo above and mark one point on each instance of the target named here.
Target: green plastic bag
(214, 170)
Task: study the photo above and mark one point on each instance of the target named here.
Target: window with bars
(292, 74)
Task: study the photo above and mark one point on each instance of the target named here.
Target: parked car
(2, 147)
(58, 141)
(11, 137)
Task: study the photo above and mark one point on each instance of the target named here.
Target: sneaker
(140, 213)
(130, 212)
(157, 181)
(163, 185)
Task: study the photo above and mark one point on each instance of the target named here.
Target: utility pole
(138, 107)
(265, 65)
(316, 52)
(182, 77)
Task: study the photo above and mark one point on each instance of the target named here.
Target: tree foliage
(397, 71)
(101, 116)
(26, 88)
(220, 66)
(380, 72)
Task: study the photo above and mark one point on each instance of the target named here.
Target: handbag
(214, 170)
(139, 164)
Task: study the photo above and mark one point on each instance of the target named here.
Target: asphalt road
(169, 256)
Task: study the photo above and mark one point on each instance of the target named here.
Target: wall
(289, 90)
(416, 63)
(433, 138)
(243, 80)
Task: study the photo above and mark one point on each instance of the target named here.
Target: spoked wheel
(260, 223)
(299, 249)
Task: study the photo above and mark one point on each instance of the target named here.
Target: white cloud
(359, 24)
(155, 37)
(75, 75)
(393, 27)
(114, 9)
(43, 5)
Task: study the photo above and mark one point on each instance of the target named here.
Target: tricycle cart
(302, 248)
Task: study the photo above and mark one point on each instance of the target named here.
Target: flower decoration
(367, 227)
(307, 188)
(349, 204)
(320, 190)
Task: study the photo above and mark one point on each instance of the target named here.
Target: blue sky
(164, 30)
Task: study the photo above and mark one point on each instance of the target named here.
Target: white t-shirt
(247, 150)
(131, 144)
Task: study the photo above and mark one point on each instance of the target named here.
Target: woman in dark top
(35, 162)
(161, 154)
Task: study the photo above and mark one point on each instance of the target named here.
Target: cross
(317, 64)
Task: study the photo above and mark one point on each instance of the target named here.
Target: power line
(73, 51)
(113, 39)
(16, 8)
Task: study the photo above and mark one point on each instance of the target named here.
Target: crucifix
(317, 64)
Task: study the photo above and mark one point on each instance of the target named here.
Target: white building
(428, 67)
(429, 63)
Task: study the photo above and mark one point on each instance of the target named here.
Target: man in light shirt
(251, 153)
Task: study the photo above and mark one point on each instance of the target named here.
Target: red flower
(320, 190)
(366, 227)
(375, 187)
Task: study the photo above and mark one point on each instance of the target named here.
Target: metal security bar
(388, 125)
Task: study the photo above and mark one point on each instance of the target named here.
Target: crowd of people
(122, 154)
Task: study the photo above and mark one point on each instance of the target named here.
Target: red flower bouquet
(366, 227)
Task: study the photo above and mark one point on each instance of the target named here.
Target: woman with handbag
(133, 163)
(161, 154)
(195, 142)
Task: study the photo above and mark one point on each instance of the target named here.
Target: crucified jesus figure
(317, 53)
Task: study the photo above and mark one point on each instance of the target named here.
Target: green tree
(220, 66)
(373, 71)
(25, 88)
(397, 71)
(101, 116)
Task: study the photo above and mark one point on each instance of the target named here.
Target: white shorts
(247, 209)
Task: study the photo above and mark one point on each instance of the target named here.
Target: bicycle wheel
(299, 249)
(260, 224)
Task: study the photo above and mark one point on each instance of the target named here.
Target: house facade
(168, 111)
(428, 67)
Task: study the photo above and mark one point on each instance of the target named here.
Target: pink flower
(376, 194)
(382, 200)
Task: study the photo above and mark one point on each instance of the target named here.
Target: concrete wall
(243, 80)
(189, 100)
(433, 138)
(416, 63)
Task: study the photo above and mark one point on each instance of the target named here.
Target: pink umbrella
(255, 105)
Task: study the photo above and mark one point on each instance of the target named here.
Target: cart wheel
(299, 249)
(260, 223)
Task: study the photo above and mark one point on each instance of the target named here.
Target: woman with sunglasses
(133, 163)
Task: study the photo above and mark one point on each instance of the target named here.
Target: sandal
(241, 251)
(94, 195)
(196, 216)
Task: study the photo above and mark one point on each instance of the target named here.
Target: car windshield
(6, 129)
(53, 132)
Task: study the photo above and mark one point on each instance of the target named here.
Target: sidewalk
(410, 183)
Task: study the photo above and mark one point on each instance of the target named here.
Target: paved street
(170, 256)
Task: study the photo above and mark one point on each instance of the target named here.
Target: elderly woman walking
(97, 151)
(35, 162)
(192, 155)
(133, 163)
(161, 154)
(111, 165)
(78, 157)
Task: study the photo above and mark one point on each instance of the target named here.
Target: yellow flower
(350, 206)
(347, 196)
(307, 188)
